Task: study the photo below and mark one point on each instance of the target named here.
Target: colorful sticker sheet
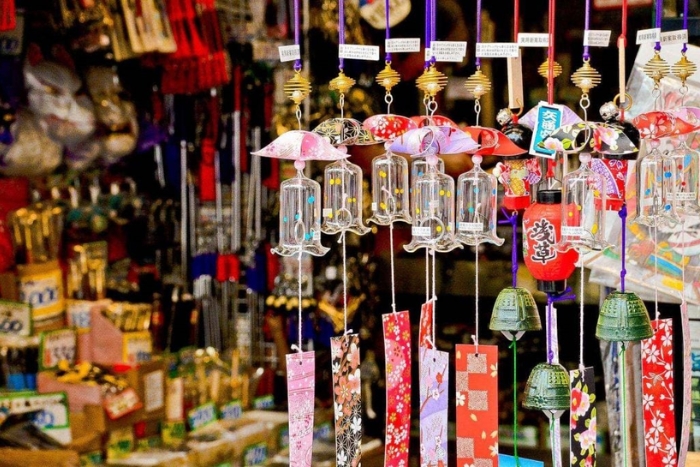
(434, 385)
(300, 395)
(425, 329)
(657, 395)
(347, 384)
(397, 351)
(583, 433)
(477, 405)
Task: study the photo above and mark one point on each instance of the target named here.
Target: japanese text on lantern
(544, 236)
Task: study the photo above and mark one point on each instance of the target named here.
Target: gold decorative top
(478, 84)
(684, 69)
(543, 70)
(656, 68)
(297, 88)
(431, 81)
(341, 83)
(388, 77)
(586, 77)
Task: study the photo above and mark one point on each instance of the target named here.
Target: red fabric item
(207, 179)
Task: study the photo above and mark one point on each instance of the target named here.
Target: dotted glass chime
(655, 183)
(477, 199)
(419, 167)
(342, 198)
(390, 189)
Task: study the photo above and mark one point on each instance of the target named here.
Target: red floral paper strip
(397, 352)
(477, 405)
(347, 384)
(425, 329)
(434, 384)
(657, 395)
(300, 396)
(583, 433)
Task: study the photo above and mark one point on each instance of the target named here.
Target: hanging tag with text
(15, 318)
(289, 53)
(358, 52)
(674, 37)
(402, 45)
(57, 346)
(496, 50)
(448, 51)
(597, 37)
(533, 39)
(648, 35)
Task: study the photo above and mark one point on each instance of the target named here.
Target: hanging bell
(419, 167)
(583, 209)
(515, 311)
(654, 186)
(548, 388)
(434, 214)
(477, 199)
(300, 216)
(623, 318)
(342, 198)
(683, 165)
(390, 189)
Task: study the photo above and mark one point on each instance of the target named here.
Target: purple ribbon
(478, 28)
(623, 271)
(297, 32)
(512, 219)
(387, 56)
(587, 24)
(659, 14)
(341, 30)
(427, 28)
(685, 24)
(551, 299)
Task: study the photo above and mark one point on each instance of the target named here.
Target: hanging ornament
(478, 84)
(476, 206)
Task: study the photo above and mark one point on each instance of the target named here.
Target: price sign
(57, 346)
(597, 37)
(289, 53)
(232, 411)
(122, 404)
(78, 313)
(201, 416)
(533, 39)
(674, 37)
(358, 52)
(497, 50)
(402, 45)
(138, 347)
(645, 36)
(448, 51)
(15, 318)
(255, 455)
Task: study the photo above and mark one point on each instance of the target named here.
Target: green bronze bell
(623, 317)
(548, 388)
(515, 310)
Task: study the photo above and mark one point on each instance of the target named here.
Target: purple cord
(512, 219)
(297, 32)
(427, 28)
(433, 27)
(551, 299)
(659, 14)
(341, 30)
(387, 57)
(587, 24)
(478, 28)
(685, 24)
(623, 270)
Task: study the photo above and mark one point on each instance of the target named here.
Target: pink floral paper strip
(657, 395)
(434, 385)
(345, 361)
(397, 352)
(476, 403)
(583, 422)
(300, 396)
(425, 328)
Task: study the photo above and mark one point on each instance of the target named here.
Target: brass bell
(548, 388)
(623, 317)
(515, 311)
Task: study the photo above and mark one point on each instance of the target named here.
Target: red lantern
(541, 232)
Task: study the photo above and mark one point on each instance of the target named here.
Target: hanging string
(586, 26)
(387, 34)
(512, 219)
(685, 24)
(391, 259)
(550, 333)
(623, 410)
(581, 320)
(514, 346)
(428, 24)
(297, 33)
(516, 21)
(299, 348)
(341, 30)
(434, 294)
(476, 299)
(656, 273)
(658, 15)
(550, 53)
(345, 284)
(623, 254)
(427, 276)
(621, 45)
(478, 29)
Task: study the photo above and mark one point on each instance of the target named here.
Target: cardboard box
(111, 346)
(26, 458)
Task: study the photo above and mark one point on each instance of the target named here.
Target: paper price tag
(597, 37)
(674, 37)
(255, 455)
(420, 231)
(470, 226)
(648, 35)
(119, 405)
(446, 51)
(138, 347)
(358, 52)
(533, 39)
(15, 318)
(403, 45)
(289, 53)
(201, 416)
(496, 50)
(232, 411)
(57, 346)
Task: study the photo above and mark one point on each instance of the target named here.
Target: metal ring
(627, 102)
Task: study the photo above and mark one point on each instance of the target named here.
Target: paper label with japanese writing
(476, 401)
(533, 39)
(497, 50)
(57, 346)
(289, 53)
(597, 37)
(674, 37)
(15, 318)
(358, 52)
(402, 45)
(434, 386)
(583, 421)
(397, 352)
(347, 385)
(301, 382)
(548, 119)
(420, 231)
(645, 36)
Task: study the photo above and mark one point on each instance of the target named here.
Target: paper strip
(397, 351)
(674, 37)
(648, 35)
(509, 461)
(657, 395)
(425, 329)
(687, 385)
(434, 383)
(533, 39)
(300, 396)
(477, 405)
(583, 433)
(347, 384)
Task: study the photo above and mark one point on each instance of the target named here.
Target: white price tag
(358, 52)
(674, 37)
(572, 231)
(496, 50)
(403, 45)
(420, 231)
(15, 318)
(597, 37)
(289, 53)
(533, 39)
(449, 48)
(57, 346)
(470, 226)
(648, 35)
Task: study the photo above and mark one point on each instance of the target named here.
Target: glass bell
(390, 189)
(434, 214)
(300, 216)
(477, 199)
(342, 198)
(583, 209)
(683, 165)
(654, 184)
(419, 167)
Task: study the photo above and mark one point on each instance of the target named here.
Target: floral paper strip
(583, 418)
(345, 354)
(397, 351)
(434, 384)
(657, 395)
(425, 329)
(300, 396)
(477, 405)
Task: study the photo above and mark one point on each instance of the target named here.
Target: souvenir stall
(341, 232)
